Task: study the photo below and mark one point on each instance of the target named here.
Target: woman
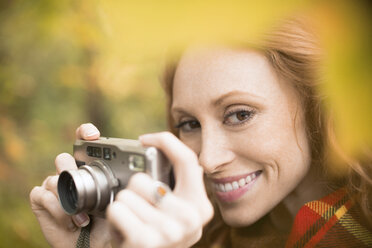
(251, 121)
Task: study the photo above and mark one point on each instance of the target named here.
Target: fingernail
(82, 219)
(91, 133)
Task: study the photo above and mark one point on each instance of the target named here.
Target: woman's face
(247, 127)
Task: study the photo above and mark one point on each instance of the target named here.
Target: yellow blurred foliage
(5, 170)
(72, 76)
(344, 29)
(138, 29)
(14, 150)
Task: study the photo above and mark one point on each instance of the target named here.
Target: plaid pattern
(332, 221)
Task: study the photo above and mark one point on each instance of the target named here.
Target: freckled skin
(272, 140)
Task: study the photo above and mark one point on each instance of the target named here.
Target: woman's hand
(60, 229)
(174, 220)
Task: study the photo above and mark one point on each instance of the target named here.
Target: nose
(214, 150)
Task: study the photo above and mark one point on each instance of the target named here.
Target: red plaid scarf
(332, 221)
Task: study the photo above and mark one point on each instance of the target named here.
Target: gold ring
(160, 191)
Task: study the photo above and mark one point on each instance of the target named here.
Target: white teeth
(222, 188)
(228, 187)
(241, 182)
(235, 185)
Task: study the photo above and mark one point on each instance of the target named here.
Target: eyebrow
(220, 100)
(233, 93)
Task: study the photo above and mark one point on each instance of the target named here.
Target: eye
(188, 126)
(237, 117)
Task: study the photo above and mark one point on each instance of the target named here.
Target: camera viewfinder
(94, 151)
(107, 153)
(137, 163)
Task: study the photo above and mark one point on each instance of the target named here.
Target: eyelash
(181, 126)
(249, 114)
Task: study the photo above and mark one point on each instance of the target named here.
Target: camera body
(105, 167)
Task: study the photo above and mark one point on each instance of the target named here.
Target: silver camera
(105, 166)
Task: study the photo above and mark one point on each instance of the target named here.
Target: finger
(139, 205)
(44, 200)
(185, 214)
(169, 227)
(50, 184)
(182, 211)
(144, 186)
(188, 173)
(116, 237)
(133, 230)
(65, 161)
(87, 131)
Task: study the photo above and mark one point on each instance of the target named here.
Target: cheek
(276, 144)
(259, 142)
(192, 140)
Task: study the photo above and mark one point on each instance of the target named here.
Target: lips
(232, 188)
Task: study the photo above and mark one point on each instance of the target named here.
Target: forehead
(205, 74)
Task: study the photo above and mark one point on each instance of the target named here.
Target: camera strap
(84, 237)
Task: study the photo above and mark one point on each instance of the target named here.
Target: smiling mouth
(227, 185)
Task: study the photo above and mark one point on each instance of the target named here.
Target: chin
(235, 218)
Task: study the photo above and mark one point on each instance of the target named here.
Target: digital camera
(105, 166)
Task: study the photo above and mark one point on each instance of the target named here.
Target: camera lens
(67, 192)
(83, 190)
(73, 196)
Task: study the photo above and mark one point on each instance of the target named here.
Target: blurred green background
(63, 63)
